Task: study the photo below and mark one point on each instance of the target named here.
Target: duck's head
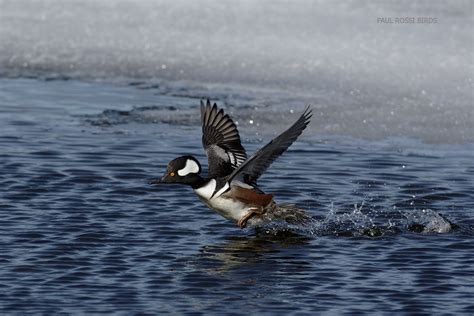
(182, 170)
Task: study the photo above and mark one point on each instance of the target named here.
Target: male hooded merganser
(230, 188)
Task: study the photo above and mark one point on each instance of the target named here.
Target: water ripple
(83, 232)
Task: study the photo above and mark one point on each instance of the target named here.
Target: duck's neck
(195, 180)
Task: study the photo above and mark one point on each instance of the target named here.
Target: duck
(230, 187)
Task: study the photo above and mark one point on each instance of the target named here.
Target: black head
(182, 170)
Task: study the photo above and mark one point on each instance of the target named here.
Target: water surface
(83, 232)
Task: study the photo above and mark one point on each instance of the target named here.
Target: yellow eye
(172, 174)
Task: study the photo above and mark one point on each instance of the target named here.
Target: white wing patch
(235, 159)
(239, 159)
(232, 159)
(191, 167)
(221, 153)
(206, 191)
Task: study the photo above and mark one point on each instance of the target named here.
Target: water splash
(359, 222)
(428, 221)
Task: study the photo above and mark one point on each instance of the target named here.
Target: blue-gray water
(96, 96)
(83, 232)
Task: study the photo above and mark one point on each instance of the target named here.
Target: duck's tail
(284, 213)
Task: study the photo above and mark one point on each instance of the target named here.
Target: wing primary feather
(218, 118)
(208, 112)
(226, 124)
(220, 135)
(252, 168)
(224, 121)
(213, 116)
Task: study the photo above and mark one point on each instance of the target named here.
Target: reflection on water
(241, 251)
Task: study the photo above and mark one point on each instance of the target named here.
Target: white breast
(229, 208)
(205, 192)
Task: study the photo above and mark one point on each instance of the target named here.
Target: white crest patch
(191, 167)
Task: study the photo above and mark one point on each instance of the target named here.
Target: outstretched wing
(253, 168)
(221, 141)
